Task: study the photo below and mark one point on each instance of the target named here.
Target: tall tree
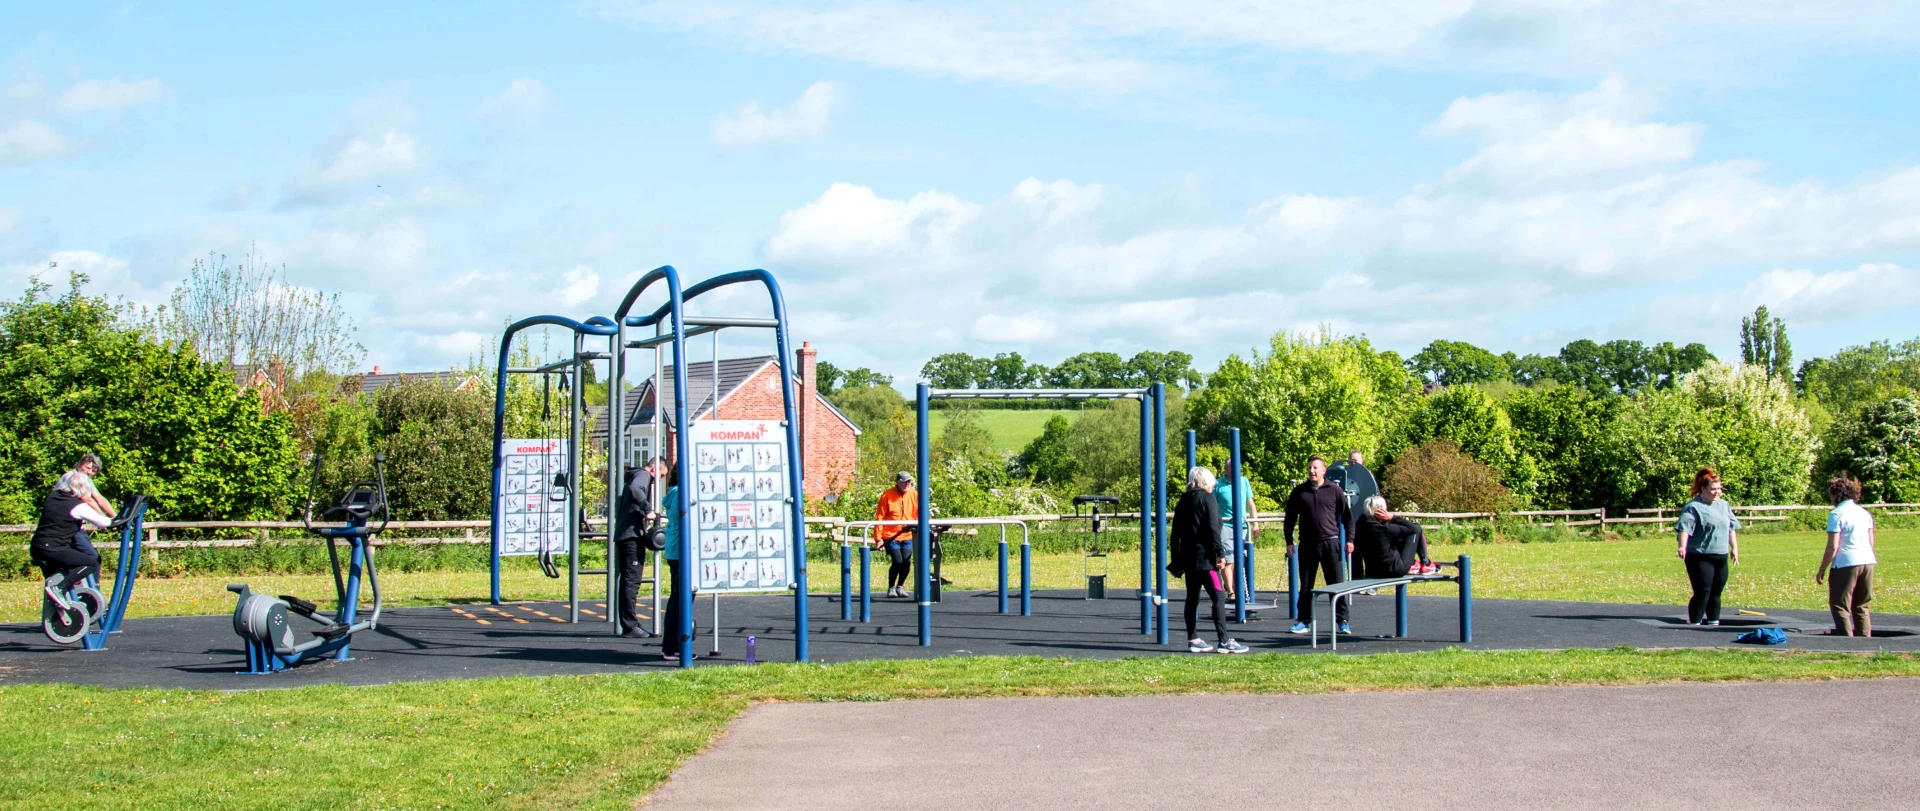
(1172, 368)
(1089, 370)
(1763, 343)
(1858, 375)
(248, 317)
(1007, 370)
(1534, 369)
(1452, 363)
(955, 370)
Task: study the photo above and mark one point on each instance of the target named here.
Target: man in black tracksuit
(636, 515)
(1319, 509)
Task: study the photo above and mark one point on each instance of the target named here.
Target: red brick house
(749, 389)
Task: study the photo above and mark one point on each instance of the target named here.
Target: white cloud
(579, 285)
(997, 328)
(1530, 139)
(803, 120)
(11, 217)
(1816, 299)
(110, 94)
(521, 103)
(30, 141)
(350, 164)
(104, 272)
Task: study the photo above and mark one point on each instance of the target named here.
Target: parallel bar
(1039, 394)
(657, 340)
(718, 321)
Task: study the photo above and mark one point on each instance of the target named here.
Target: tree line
(1087, 370)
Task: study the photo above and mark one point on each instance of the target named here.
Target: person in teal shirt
(1708, 544)
(1223, 495)
(670, 638)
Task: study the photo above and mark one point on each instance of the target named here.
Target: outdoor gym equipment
(76, 612)
(261, 621)
(1153, 493)
(945, 525)
(1462, 577)
(1095, 556)
(671, 329)
(1245, 584)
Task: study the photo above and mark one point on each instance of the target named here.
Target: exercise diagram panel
(532, 508)
(742, 513)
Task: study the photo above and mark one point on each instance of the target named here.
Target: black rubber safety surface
(532, 639)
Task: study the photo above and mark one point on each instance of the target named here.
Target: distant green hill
(1011, 429)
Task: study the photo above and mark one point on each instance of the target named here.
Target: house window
(642, 446)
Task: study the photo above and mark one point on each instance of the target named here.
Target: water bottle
(750, 647)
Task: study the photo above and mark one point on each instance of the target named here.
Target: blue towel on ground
(1763, 636)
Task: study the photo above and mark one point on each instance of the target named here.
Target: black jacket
(1194, 540)
(635, 503)
(57, 528)
(1372, 538)
(1319, 512)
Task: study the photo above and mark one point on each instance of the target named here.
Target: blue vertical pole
(796, 466)
(1003, 570)
(866, 583)
(1466, 598)
(1240, 553)
(1026, 576)
(1293, 585)
(1400, 610)
(350, 607)
(1193, 451)
(1160, 514)
(682, 509)
(846, 582)
(1146, 515)
(922, 544)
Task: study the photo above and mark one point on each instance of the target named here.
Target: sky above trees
(1049, 179)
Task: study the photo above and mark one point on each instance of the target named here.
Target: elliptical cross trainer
(261, 621)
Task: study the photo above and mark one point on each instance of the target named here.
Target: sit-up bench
(1463, 577)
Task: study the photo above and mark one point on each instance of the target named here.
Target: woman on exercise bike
(56, 546)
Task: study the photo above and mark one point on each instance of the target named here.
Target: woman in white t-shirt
(1849, 559)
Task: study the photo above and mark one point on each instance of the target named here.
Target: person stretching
(1708, 536)
(899, 503)
(1849, 559)
(1391, 545)
(1319, 508)
(1200, 556)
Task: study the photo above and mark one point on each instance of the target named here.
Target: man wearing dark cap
(900, 503)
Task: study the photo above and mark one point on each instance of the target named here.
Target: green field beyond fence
(1012, 429)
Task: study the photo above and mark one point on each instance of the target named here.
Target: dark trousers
(633, 569)
(1323, 557)
(1209, 582)
(76, 563)
(1849, 590)
(1399, 556)
(900, 565)
(1708, 573)
(670, 638)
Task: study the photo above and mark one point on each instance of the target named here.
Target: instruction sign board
(533, 509)
(742, 513)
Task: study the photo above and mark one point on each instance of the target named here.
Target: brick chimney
(806, 359)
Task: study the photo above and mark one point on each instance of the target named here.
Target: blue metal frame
(1160, 514)
(673, 312)
(598, 326)
(262, 661)
(923, 533)
(126, 572)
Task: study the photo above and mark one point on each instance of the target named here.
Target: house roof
(377, 381)
(700, 392)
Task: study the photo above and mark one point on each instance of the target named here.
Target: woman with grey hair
(1391, 545)
(1199, 555)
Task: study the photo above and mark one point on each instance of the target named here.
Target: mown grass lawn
(1012, 429)
(605, 741)
(1775, 571)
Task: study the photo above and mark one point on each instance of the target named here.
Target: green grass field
(1011, 429)
(603, 742)
(1775, 571)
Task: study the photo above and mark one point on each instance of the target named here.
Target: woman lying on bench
(1392, 546)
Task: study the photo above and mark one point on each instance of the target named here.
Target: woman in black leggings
(1199, 554)
(1709, 542)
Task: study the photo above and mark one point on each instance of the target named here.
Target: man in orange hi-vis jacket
(899, 503)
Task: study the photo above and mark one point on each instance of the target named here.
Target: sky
(1046, 178)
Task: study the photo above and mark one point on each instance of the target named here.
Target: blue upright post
(1242, 577)
(866, 583)
(1160, 513)
(1026, 577)
(846, 582)
(1400, 610)
(356, 559)
(1193, 451)
(922, 545)
(1293, 585)
(1146, 516)
(1466, 598)
(1003, 570)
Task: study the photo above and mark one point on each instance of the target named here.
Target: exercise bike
(262, 622)
(76, 611)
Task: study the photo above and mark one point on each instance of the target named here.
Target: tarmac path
(1841, 745)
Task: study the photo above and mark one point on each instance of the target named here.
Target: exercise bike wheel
(92, 600)
(61, 624)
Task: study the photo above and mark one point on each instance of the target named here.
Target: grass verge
(605, 741)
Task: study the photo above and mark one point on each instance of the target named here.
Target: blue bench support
(1343, 591)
